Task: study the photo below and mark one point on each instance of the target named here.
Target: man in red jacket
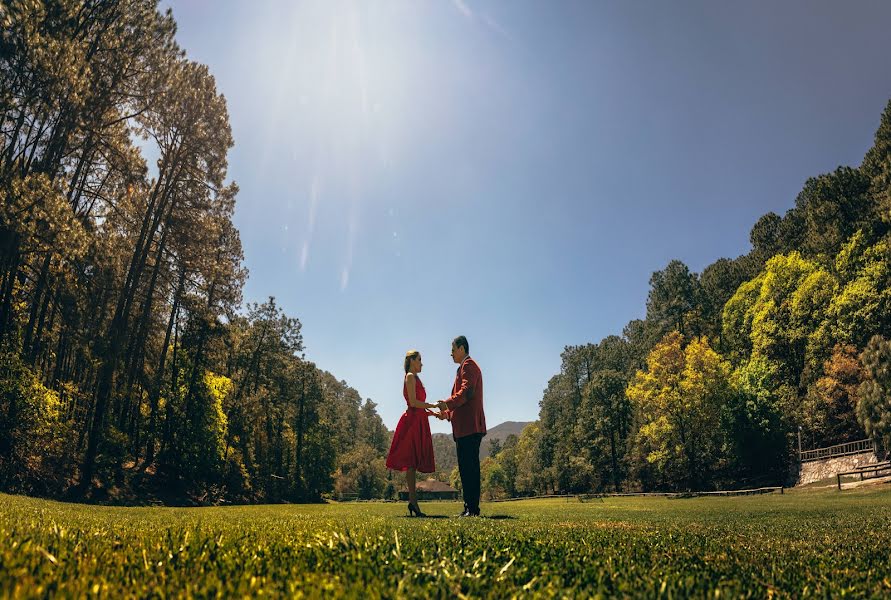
(464, 408)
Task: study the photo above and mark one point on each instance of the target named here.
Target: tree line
(128, 366)
(712, 388)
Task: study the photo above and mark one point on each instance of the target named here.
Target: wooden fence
(583, 497)
(866, 472)
(857, 447)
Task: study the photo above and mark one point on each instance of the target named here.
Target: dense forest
(713, 386)
(129, 368)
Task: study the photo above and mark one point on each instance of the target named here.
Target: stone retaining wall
(822, 469)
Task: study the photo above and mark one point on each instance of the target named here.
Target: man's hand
(442, 405)
(439, 415)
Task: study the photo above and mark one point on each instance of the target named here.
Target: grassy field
(810, 544)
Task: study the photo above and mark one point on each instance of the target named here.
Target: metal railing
(838, 450)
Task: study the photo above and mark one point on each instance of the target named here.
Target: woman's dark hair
(462, 342)
(410, 356)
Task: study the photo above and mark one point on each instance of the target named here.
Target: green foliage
(446, 455)
(508, 461)
(767, 237)
(218, 388)
(604, 423)
(833, 207)
(361, 469)
(196, 455)
(455, 479)
(874, 406)
(508, 465)
(361, 472)
(236, 478)
(877, 166)
(739, 312)
(35, 435)
(493, 479)
(301, 432)
(792, 545)
(567, 457)
(314, 471)
(757, 421)
(528, 478)
(719, 282)
(372, 428)
(494, 448)
(674, 300)
(40, 216)
(557, 417)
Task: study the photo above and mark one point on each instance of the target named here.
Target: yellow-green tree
(677, 401)
(862, 307)
(776, 314)
(528, 475)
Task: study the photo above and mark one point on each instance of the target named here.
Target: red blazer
(466, 402)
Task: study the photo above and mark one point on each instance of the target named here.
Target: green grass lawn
(819, 543)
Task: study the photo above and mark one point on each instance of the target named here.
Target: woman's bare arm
(412, 398)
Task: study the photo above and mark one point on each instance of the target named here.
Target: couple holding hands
(412, 447)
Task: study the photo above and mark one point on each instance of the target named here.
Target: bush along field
(806, 544)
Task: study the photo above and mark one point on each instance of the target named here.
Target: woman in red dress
(412, 446)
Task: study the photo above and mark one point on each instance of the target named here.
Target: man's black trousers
(469, 468)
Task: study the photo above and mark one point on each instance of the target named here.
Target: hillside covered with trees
(129, 368)
(711, 388)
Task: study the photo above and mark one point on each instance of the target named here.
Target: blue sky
(515, 171)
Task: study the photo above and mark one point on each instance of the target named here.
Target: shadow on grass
(492, 517)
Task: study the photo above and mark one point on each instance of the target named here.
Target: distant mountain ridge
(500, 433)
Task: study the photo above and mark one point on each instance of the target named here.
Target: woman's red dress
(412, 446)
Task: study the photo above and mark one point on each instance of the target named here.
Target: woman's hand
(436, 414)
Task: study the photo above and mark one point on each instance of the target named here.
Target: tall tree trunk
(9, 242)
(155, 390)
(118, 328)
(135, 362)
(612, 447)
(166, 440)
(298, 451)
(29, 346)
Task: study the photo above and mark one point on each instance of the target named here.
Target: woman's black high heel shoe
(414, 511)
